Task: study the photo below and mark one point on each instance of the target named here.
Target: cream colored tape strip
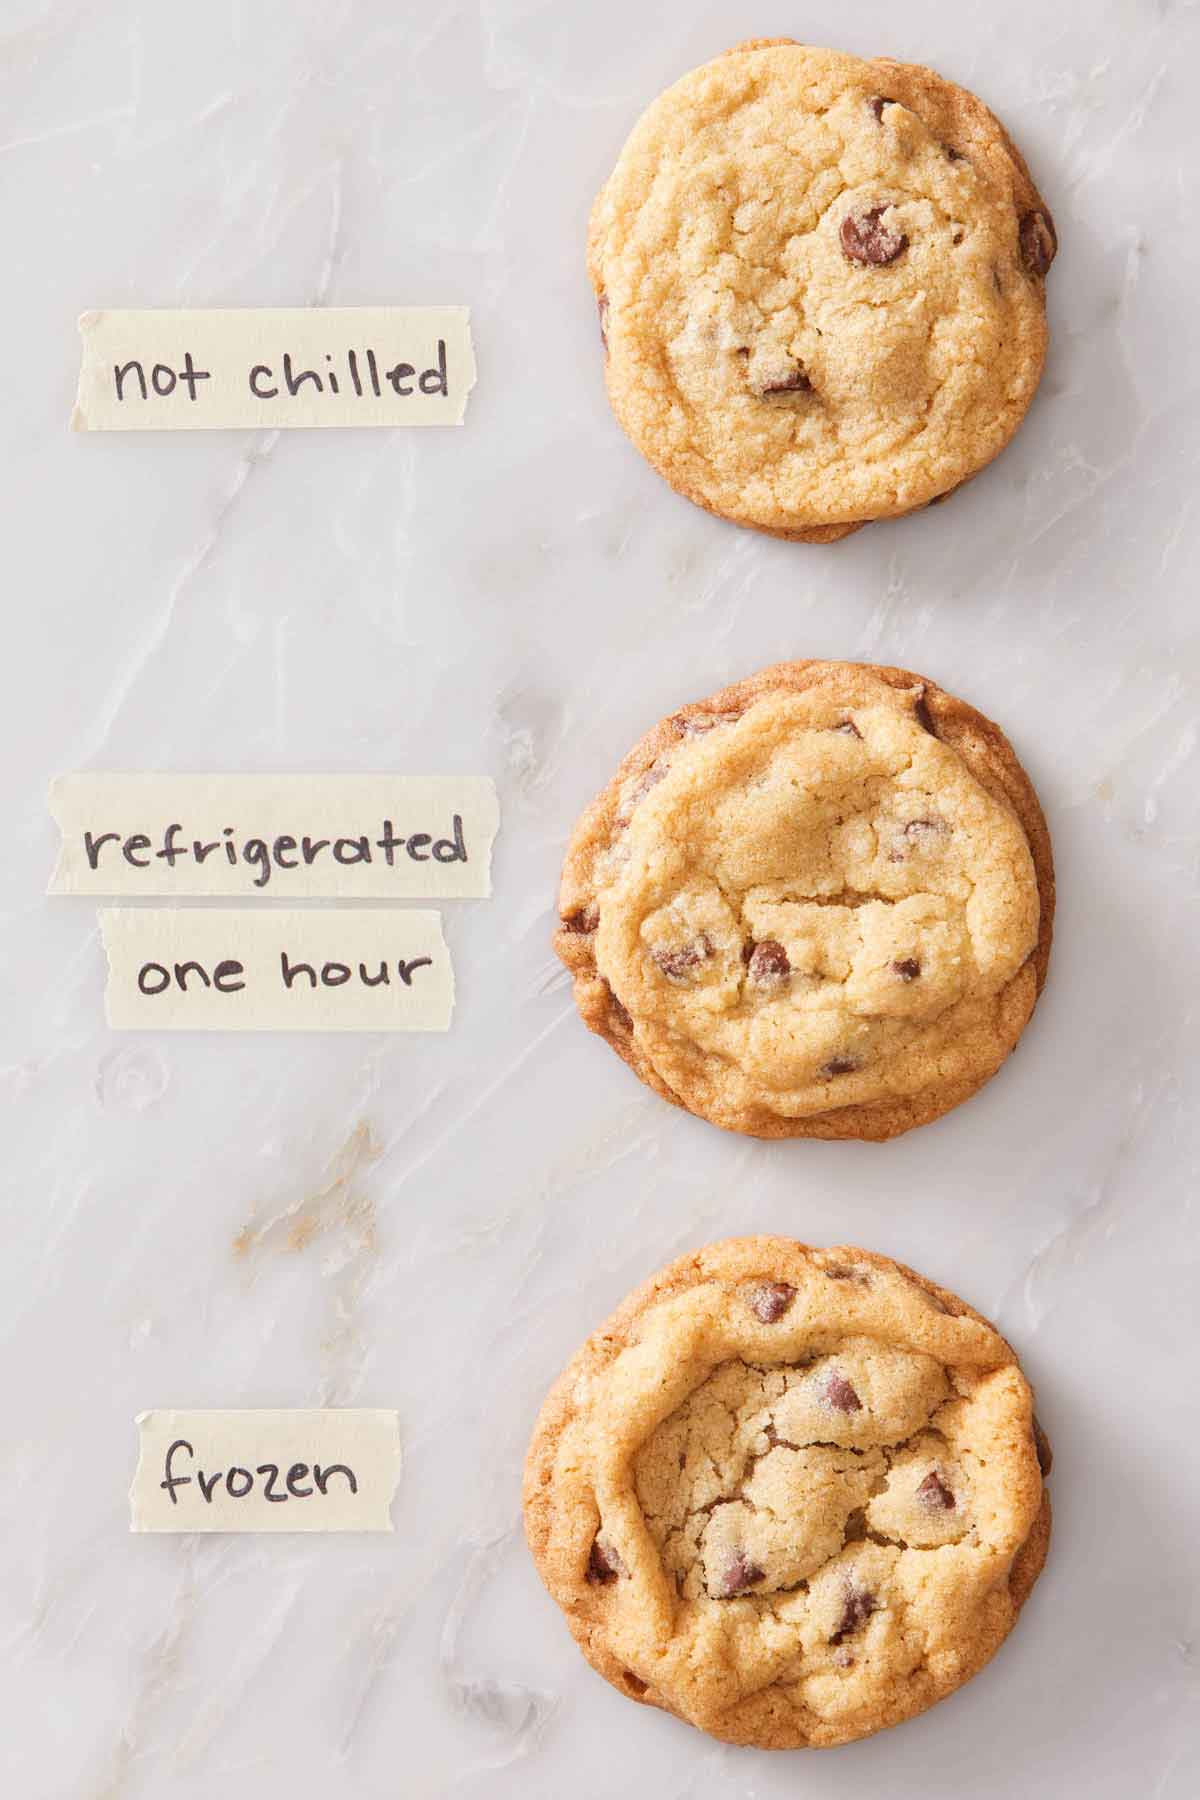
(258, 969)
(277, 837)
(314, 1469)
(191, 371)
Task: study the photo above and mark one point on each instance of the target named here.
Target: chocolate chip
(604, 1565)
(933, 1492)
(770, 1300)
(923, 715)
(1041, 1444)
(677, 964)
(650, 778)
(866, 239)
(857, 1610)
(637, 1687)
(879, 102)
(695, 724)
(840, 1065)
(602, 309)
(738, 1574)
(620, 1012)
(844, 1272)
(794, 382)
(908, 968)
(586, 919)
(914, 835)
(768, 963)
(855, 1530)
(839, 1394)
(1038, 241)
(849, 728)
(953, 155)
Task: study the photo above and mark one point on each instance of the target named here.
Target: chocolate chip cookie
(818, 904)
(791, 1495)
(821, 284)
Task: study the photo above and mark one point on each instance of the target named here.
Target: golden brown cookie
(791, 1495)
(821, 284)
(818, 904)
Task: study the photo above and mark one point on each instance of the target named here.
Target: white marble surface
(524, 597)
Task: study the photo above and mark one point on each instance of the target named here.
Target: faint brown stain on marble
(337, 1204)
(341, 1216)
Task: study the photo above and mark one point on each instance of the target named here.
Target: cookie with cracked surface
(818, 904)
(790, 1495)
(821, 283)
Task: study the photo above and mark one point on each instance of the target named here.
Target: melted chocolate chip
(602, 310)
(839, 1394)
(857, 1610)
(953, 155)
(913, 835)
(844, 1272)
(866, 239)
(923, 715)
(637, 1687)
(879, 102)
(794, 382)
(650, 778)
(770, 1300)
(678, 964)
(908, 968)
(696, 724)
(620, 1012)
(1038, 241)
(840, 1065)
(933, 1492)
(604, 1565)
(1041, 1444)
(855, 1531)
(738, 1574)
(586, 919)
(768, 963)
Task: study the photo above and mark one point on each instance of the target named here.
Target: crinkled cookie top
(783, 1493)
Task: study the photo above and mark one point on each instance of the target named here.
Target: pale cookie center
(763, 1478)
